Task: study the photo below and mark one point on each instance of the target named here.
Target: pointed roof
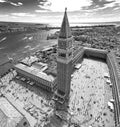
(65, 31)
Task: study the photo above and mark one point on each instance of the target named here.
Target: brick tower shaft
(64, 59)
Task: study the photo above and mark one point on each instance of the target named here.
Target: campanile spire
(65, 31)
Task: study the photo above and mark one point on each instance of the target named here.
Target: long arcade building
(40, 78)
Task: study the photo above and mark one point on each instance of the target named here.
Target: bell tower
(64, 60)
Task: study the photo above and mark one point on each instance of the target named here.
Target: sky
(51, 11)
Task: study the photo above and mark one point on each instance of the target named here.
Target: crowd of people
(90, 94)
(5, 79)
(37, 106)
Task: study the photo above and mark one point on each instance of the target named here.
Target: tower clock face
(64, 45)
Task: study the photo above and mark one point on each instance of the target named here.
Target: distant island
(100, 37)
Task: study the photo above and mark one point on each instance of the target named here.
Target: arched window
(62, 55)
(70, 54)
(25, 123)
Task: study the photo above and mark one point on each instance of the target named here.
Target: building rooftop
(34, 71)
(47, 48)
(9, 116)
(29, 60)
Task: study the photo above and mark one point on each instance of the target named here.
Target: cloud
(59, 6)
(23, 14)
(2, 1)
(103, 6)
(16, 4)
(12, 3)
(113, 3)
(98, 4)
(41, 11)
(19, 3)
(14, 17)
(4, 15)
(116, 8)
(52, 10)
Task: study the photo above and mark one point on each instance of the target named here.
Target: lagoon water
(20, 44)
